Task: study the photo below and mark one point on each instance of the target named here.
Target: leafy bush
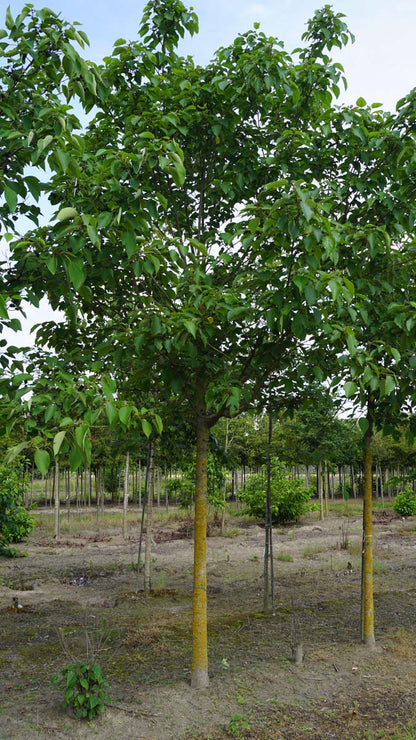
(405, 503)
(183, 489)
(86, 691)
(289, 497)
(15, 521)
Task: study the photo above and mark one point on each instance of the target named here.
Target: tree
(208, 277)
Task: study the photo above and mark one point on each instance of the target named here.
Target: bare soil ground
(342, 689)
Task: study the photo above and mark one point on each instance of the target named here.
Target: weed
(237, 725)
(284, 557)
(86, 691)
(311, 550)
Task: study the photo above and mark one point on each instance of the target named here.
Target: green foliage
(181, 490)
(15, 520)
(288, 497)
(238, 726)
(86, 691)
(405, 503)
(184, 488)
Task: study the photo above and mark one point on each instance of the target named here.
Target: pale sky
(380, 66)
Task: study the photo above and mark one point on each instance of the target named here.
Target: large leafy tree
(198, 225)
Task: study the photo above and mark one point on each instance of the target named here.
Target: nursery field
(84, 591)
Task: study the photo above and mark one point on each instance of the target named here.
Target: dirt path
(341, 690)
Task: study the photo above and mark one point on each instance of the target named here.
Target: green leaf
(389, 385)
(76, 272)
(42, 461)
(147, 427)
(109, 386)
(310, 295)
(124, 414)
(63, 160)
(66, 213)
(190, 326)
(112, 413)
(157, 421)
(363, 424)
(129, 240)
(9, 19)
(15, 451)
(352, 344)
(3, 309)
(350, 389)
(57, 442)
(156, 326)
(75, 459)
(81, 435)
(52, 264)
(11, 198)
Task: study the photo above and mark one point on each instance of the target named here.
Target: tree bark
(367, 597)
(126, 494)
(268, 529)
(199, 676)
(57, 502)
(319, 487)
(149, 519)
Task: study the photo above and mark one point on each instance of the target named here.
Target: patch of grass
(379, 568)
(284, 557)
(231, 532)
(311, 550)
(352, 507)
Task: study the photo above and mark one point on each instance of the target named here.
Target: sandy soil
(341, 690)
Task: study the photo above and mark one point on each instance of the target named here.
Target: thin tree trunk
(367, 597)
(326, 487)
(57, 502)
(199, 676)
(68, 493)
(126, 494)
(319, 486)
(140, 482)
(353, 486)
(268, 546)
(149, 520)
(224, 490)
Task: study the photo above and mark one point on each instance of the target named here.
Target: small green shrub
(289, 498)
(86, 691)
(15, 521)
(405, 503)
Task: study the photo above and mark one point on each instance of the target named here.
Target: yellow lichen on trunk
(199, 625)
(367, 599)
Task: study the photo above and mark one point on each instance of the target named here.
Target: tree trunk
(126, 493)
(57, 502)
(199, 677)
(319, 487)
(326, 487)
(268, 530)
(149, 520)
(367, 598)
(224, 491)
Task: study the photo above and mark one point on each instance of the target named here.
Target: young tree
(207, 278)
